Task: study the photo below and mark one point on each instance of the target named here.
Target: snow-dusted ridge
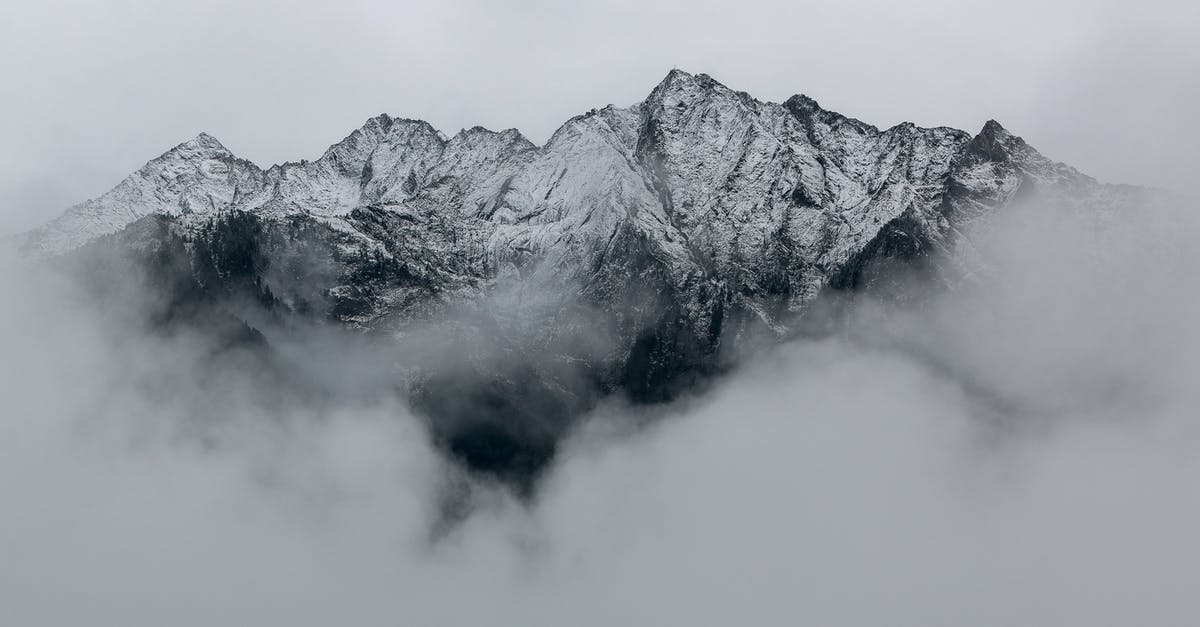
(631, 253)
(764, 200)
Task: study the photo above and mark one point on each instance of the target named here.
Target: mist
(1018, 448)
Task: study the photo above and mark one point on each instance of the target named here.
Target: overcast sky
(91, 90)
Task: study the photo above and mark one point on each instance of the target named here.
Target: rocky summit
(634, 254)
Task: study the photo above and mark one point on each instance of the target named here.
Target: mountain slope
(633, 252)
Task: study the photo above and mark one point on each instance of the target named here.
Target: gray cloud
(1020, 451)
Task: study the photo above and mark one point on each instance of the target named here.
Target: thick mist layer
(1020, 449)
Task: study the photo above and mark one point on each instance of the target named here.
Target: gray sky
(91, 90)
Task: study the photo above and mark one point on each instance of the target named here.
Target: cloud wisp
(1018, 450)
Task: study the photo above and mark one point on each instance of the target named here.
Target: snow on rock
(725, 200)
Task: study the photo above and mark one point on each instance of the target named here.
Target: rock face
(627, 252)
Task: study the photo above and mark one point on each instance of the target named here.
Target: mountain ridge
(768, 199)
(638, 250)
(675, 81)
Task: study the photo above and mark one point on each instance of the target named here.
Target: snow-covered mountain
(718, 183)
(664, 231)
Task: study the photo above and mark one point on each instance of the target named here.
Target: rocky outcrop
(622, 255)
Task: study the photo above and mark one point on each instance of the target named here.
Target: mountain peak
(206, 141)
(676, 74)
(202, 145)
(382, 121)
(691, 122)
(802, 102)
(679, 227)
(809, 112)
(993, 129)
(994, 142)
(677, 80)
(681, 89)
(384, 124)
(200, 148)
(673, 81)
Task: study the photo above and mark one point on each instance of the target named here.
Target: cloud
(1016, 451)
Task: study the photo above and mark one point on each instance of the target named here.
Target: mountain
(636, 252)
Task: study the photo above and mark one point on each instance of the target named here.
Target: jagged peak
(603, 120)
(676, 75)
(994, 132)
(994, 142)
(202, 146)
(808, 111)
(382, 128)
(679, 82)
(510, 137)
(483, 130)
(671, 82)
(207, 140)
(201, 142)
(803, 101)
(385, 123)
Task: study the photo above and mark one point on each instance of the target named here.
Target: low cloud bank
(1022, 450)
